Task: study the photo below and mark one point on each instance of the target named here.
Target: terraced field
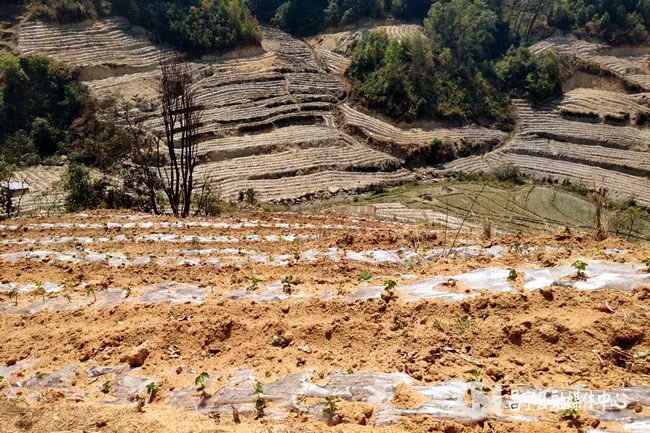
(95, 308)
(278, 119)
(45, 194)
(606, 106)
(593, 136)
(630, 67)
(413, 141)
(270, 119)
(553, 144)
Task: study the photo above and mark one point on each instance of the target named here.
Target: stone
(137, 356)
(549, 333)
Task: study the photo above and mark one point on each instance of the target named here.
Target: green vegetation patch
(457, 71)
(39, 100)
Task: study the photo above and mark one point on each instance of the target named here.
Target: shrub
(507, 173)
(44, 136)
(209, 202)
(83, 192)
(522, 73)
(68, 11)
(18, 149)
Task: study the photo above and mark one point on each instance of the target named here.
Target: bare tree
(165, 160)
(181, 117)
(143, 154)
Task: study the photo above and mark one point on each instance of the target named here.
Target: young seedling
(572, 413)
(646, 262)
(152, 390)
(462, 323)
(195, 240)
(260, 403)
(199, 382)
(90, 290)
(106, 387)
(127, 291)
(2, 382)
(330, 409)
(580, 268)
(389, 290)
(255, 284)
(365, 276)
(288, 283)
(66, 291)
(437, 325)
(14, 294)
(476, 377)
(512, 275)
(40, 289)
(40, 376)
(340, 290)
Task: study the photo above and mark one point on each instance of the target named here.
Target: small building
(10, 191)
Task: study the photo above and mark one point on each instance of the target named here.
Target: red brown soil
(553, 338)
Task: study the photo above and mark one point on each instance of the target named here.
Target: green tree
(83, 192)
(466, 27)
(538, 77)
(44, 136)
(562, 15)
(40, 100)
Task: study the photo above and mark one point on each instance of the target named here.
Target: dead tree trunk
(599, 196)
(181, 118)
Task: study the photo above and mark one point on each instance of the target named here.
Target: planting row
(238, 392)
(451, 288)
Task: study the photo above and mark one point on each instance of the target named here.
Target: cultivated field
(506, 208)
(501, 335)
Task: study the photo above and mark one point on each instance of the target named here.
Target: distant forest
(205, 25)
(615, 21)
